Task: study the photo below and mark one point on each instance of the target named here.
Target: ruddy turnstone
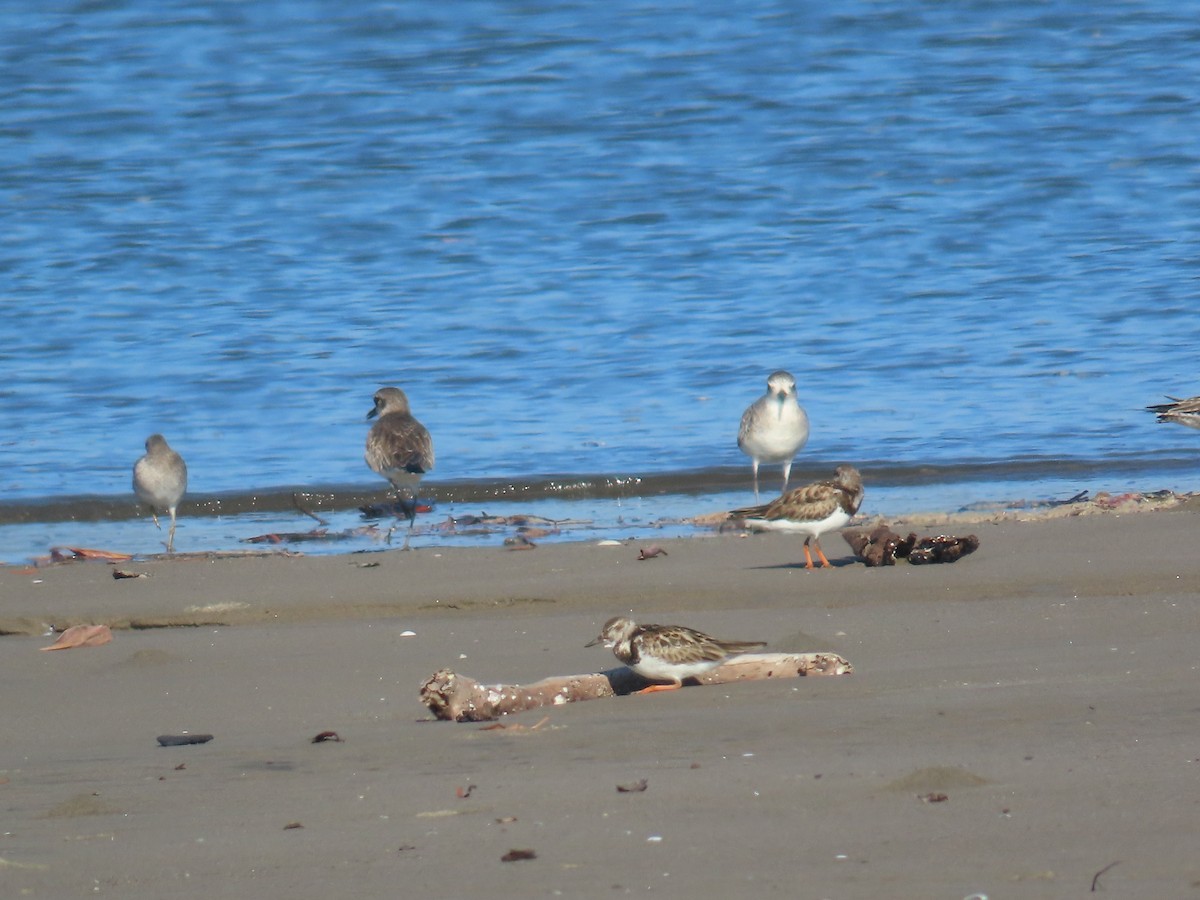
(1185, 412)
(811, 510)
(774, 427)
(666, 653)
(400, 449)
(160, 480)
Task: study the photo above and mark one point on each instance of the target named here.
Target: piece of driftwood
(457, 698)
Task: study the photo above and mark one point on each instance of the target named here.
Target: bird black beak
(374, 412)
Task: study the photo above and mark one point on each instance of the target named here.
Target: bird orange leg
(808, 563)
(659, 687)
(821, 553)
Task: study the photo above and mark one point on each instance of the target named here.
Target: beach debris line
(459, 698)
(82, 636)
(882, 547)
(317, 534)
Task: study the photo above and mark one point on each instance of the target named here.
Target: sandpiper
(666, 653)
(160, 480)
(1185, 412)
(811, 510)
(400, 449)
(774, 427)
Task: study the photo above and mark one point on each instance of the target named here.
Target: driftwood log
(457, 698)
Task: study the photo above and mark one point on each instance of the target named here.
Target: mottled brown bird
(1184, 412)
(811, 510)
(400, 449)
(666, 653)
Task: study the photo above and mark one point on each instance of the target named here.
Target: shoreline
(1029, 709)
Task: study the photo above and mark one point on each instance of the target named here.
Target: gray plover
(1184, 412)
(811, 510)
(160, 480)
(774, 427)
(400, 449)
(666, 653)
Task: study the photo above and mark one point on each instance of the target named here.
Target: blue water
(580, 236)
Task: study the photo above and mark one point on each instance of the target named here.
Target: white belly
(656, 670)
(835, 520)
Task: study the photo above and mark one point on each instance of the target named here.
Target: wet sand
(1016, 723)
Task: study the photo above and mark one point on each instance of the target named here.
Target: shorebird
(400, 449)
(1185, 412)
(160, 480)
(666, 653)
(774, 427)
(811, 510)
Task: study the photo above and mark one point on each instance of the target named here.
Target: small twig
(1078, 498)
(1096, 877)
(308, 512)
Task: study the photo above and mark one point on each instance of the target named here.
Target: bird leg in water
(408, 505)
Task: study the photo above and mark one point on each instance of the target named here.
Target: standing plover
(811, 510)
(160, 480)
(1185, 412)
(774, 427)
(400, 449)
(667, 653)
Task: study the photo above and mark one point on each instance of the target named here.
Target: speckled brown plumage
(398, 447)
(810, 510)
(667, 653)
(1183, 412)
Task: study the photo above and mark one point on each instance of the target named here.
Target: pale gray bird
(400, 449)
(160, 480)
(774, 427)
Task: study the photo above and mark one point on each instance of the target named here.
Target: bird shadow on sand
(840, 563)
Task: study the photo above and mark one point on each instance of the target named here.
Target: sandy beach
(1022, 723)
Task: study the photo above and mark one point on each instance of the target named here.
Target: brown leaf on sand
(651, 552)
(514, 855)
(327, 736)
(65, 554)
(82, 636)
(636, 788)
(118, 574)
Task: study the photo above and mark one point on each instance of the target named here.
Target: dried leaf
(82, 636)
(514, 855)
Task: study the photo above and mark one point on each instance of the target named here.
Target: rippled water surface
(581, 235)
